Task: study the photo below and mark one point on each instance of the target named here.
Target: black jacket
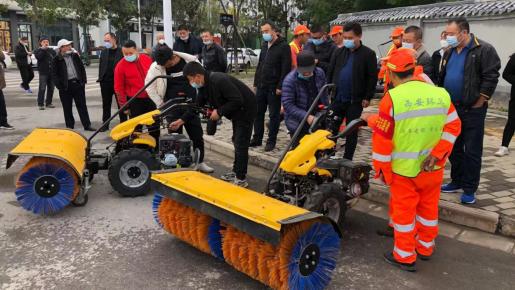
(436, 59)
(274, 64)
(60, 73)
(425, 60)
(192, 46)
(509, 74)
(44, 57)
(20, 54)
(322, 52)
(214, 58)
(481, 71)
(229, 96)
(104, 59)
(364, 71)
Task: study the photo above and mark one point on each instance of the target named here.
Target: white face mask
(408, 45)
(208, 42)
(444, 43)
(185, 38)
(161, 41)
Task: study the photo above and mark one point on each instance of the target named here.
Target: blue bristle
(30, 200)
(328, 242)
(158, 198)
(214, 239)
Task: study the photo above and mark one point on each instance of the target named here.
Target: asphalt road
(113, 242)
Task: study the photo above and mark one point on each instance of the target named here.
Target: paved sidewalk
(494, 211)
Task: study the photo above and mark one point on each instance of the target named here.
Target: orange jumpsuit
(414, 201)
(295, 48)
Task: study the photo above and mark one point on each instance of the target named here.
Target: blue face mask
(267, 37)
(195, 85)
(303, 77)
(452, 41)
(108, 45)
(349, 43)
(317, 42)
(131, 58)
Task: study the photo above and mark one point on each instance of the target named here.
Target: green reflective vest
(420, 113)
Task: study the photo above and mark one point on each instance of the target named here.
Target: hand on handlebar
(214, 116)
(175, 125)
(310, 119)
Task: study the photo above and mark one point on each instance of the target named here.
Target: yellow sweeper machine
(287, 237)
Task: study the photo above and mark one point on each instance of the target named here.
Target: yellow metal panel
(145, 139)
(241, 201)
(63, 144)
(127, 128)
(301, 160)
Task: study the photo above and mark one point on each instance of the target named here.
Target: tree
(150, 10)
(321, 12)
(42, 12)
(119, 13)
(188, 12)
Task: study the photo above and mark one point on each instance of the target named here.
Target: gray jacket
(425, 60)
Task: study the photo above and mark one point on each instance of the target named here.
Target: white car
(246, 58)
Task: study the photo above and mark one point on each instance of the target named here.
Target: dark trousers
(141, 106)
(241, 133)
(45, 82)
(468, 149)
(510, 125)
(3, 109)
(107, 91)
(74, 93)
(350, 111)
(27, 75)
(194, 129)
(266, 98)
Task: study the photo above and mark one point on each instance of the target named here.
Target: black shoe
(386, 232)
(269, 147)
(103, 129)
(6, 126)
(424, 257)
(255, 143)
(91, 129)
(50, 106)
(41, 107)
(388, 257)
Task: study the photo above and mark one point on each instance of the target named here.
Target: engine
(175, 151)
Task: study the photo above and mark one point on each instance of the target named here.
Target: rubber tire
(79, 204)
(316, 199)
(121, 158)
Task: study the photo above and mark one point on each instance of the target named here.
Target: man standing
(321, 48)
(353, 68)
(45, 56)
(274, 64)
(413, 134)
(396, 39)
(337, 35)
(234, 100)
(470, 72)
(109, 58)
(301, 36)
(412, 38)
(24, 62)
(186, 42)
(4, 125)
(436, 58)
(69, 77)
(213, 55)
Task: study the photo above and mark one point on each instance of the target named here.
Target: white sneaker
(239, 182)
(204, 168)
(503, 151)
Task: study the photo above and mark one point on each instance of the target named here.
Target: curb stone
(476, 218)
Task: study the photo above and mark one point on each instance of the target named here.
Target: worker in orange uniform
(396, 37)
(301, 36)
(413, 135)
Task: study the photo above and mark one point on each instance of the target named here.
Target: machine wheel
(129, 171)
(80, 201)
(329, 201)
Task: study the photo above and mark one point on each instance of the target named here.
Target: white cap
(63, 42)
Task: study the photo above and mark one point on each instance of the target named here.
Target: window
(24, 30)
(5, 36)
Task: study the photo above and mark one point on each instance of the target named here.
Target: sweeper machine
(287, 238)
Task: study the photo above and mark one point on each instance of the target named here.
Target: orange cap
(300, 29)
(401, 60)
(397, 31)
(336, 29)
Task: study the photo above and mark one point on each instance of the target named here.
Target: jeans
(107, 91)
(510, 125)
(74, 93)
(3, 110)
(194, 129)
(266, 98)
(27, 75)
(349, 111)
(242, 131)
(468, 149)
(45, 82)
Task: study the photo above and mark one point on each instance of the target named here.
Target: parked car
(247, 58)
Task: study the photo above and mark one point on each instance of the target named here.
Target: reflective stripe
(427, 245)
(449, 137)
(426, 222)
(451, 117)
(402, 253)
(391, 112)
(176, 75)
(420, 113)
(381, 157)
(410, 155)
(404, 228)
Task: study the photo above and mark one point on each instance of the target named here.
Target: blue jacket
(296, 98)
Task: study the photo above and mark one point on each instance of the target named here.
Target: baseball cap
(401, 60)
(305, 62)
(43, 37)
(336, 29)
(397, 31)
(300, 29)
(63, 42)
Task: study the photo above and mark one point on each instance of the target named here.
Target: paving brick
(485, 196)
(487, 240)
(502, 193)
(490, 208)
(504, 199)
(507, 205)
(510, 212)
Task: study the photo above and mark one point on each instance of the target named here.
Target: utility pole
(139, 25)
(167, 21)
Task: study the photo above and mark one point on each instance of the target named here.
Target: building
(492, 21)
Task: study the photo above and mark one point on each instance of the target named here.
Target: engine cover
(178, 145)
